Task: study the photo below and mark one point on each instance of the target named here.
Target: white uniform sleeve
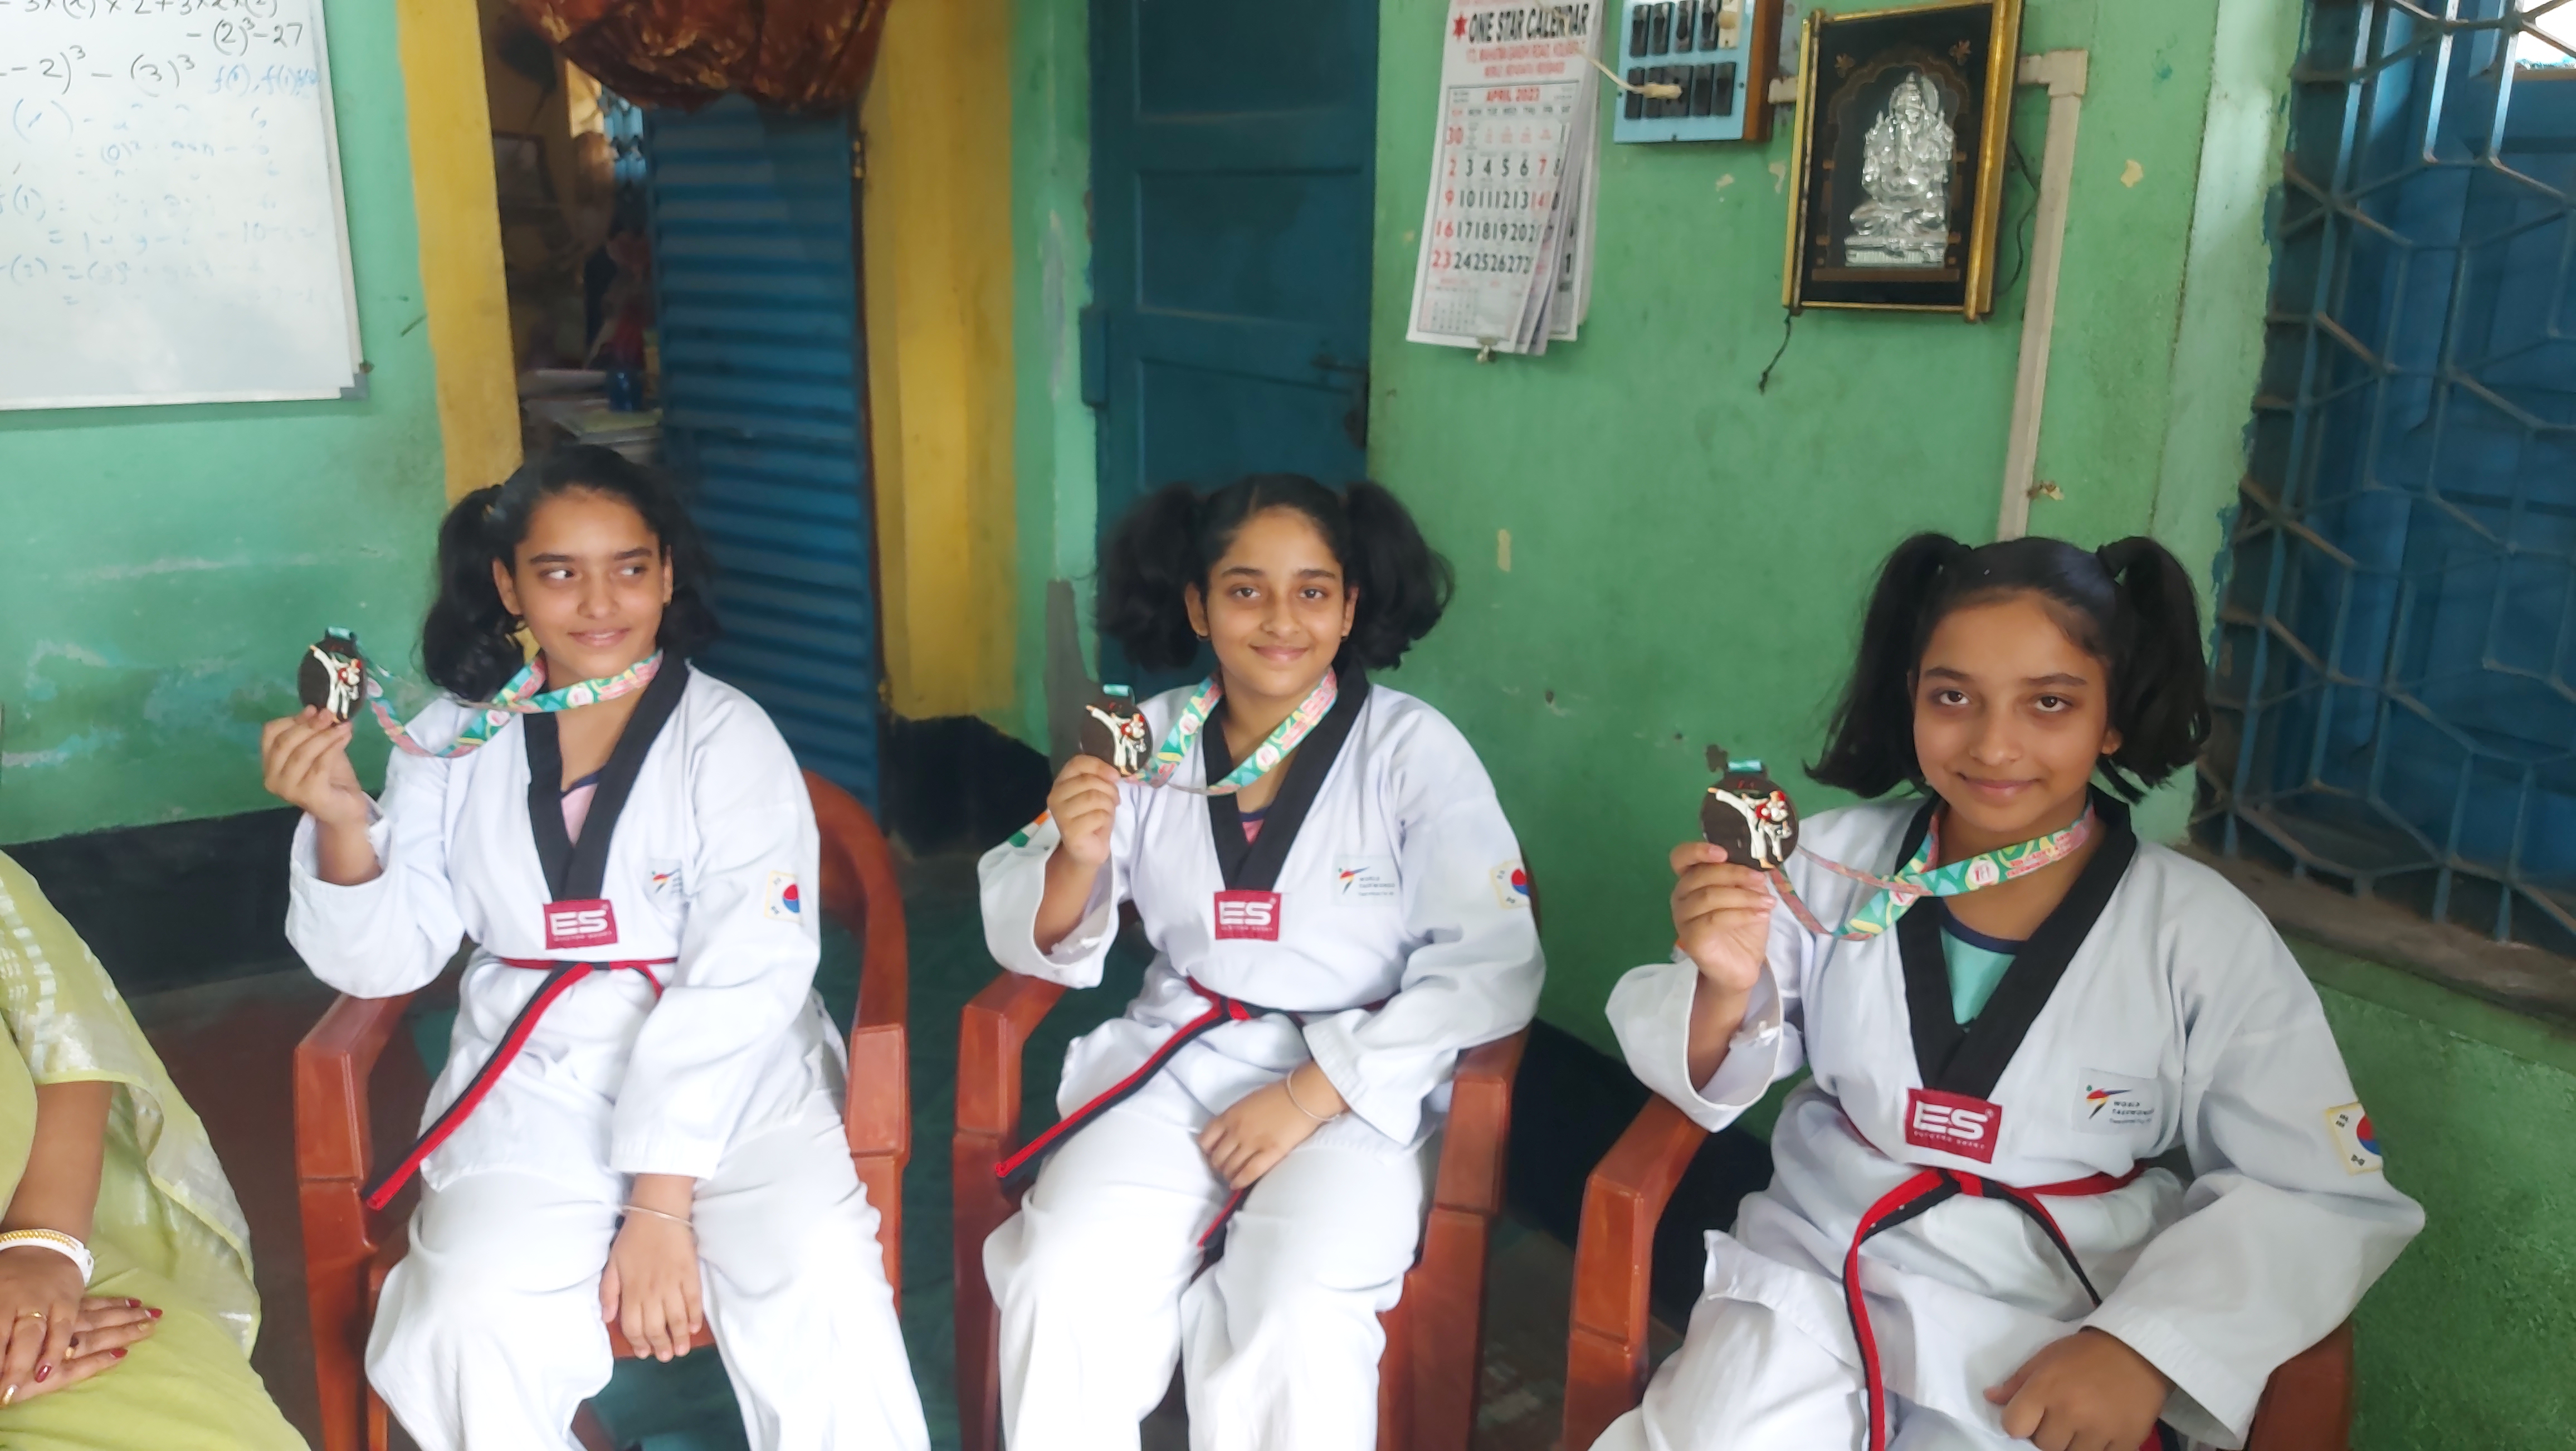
(746, 957)
(1476, 976)
(1650, 1013)
(392, 934)
(2281, 1233)
(1013, 878)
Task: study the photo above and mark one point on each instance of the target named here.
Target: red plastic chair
(348, 1248)
(1435, 1336)
(2307, 1405)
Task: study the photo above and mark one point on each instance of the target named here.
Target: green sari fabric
(168, 1231)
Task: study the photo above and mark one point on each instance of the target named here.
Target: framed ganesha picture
(1900, 156)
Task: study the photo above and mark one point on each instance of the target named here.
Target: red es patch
(1247, 916)
(590, 922)
(1952, 1123)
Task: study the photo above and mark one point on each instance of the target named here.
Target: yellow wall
(460, 241)
(937, 212)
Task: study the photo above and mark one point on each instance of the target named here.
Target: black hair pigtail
(1404, 583)
(466, 642)
(1147, 564)
(2160, 678)
(1870, 747)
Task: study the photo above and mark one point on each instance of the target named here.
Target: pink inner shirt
(576, 804)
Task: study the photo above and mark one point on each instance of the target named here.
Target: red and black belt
(1917, 1196)
(1221, 1010)
(560, 977)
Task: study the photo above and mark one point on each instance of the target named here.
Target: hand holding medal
(1723, 887)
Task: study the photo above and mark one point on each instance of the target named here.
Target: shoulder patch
(785, 903)
(2355, 1141)
(1025, 834)
(1511, 884)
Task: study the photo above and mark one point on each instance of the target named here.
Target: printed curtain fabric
(805, 55)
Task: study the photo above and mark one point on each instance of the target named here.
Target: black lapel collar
(576, 872)
(1971, 1060)
(1255, 865)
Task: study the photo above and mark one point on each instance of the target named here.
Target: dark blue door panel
(1233, 164)
(762, 370)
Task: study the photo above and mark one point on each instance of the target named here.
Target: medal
(1273, 749)
(333, 677)
(1748, 814)
(1114, 730)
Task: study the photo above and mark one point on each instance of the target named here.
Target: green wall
(1689, 555)
(1055, 449)
(161, 568)
(2470, 1339)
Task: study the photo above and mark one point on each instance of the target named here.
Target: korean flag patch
(1511, 884)
(786, 903)
(2356, 1143)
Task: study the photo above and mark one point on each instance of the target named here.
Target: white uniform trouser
(1747, 1380)
(488, 1336)
(1279, 1340)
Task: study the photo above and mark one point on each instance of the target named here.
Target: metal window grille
(2396, 671)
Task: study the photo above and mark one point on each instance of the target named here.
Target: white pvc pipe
(2062, 71)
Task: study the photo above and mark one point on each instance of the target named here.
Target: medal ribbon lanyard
(1918, 878)
(1283, 738)
(523, 695)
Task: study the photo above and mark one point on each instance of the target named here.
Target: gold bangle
(679, 1219)
(1290, 1083)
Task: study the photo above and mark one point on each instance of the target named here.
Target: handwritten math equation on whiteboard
(171, 226)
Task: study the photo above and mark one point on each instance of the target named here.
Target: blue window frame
(2396, 662)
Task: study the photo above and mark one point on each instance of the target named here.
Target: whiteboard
(171, 229)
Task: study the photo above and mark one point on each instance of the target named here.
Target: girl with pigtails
(638, 1129)
(2021, 1019)
(1337, 909)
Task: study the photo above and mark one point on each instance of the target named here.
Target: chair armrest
(992, 1031)
(1480, 1124)
(332, 1066)
(2307, 1404)
(1614, 1263)
(859, 891)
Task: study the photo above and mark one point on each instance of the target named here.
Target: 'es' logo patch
(582, 923)
(1952, 1123)
(1247, 916)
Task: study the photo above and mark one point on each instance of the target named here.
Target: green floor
(688, 1405)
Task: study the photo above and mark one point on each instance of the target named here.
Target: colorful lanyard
(519, 697)
(1918, 878)
(1282, 739)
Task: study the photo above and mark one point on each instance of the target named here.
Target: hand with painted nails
(102, 1332)
(40, 1293)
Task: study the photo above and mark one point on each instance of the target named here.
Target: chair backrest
(858, 874)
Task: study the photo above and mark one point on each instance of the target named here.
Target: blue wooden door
(753, 224)
(1233, 162)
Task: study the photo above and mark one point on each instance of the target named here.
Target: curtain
(808, 55)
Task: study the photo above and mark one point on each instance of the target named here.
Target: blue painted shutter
(756, 286)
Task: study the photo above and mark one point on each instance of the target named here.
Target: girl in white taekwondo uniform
(1333, 924)
(640, 1115)
(1964, 1244)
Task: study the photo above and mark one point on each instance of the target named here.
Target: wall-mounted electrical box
(1719, 53)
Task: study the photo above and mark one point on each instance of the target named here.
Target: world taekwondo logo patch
(785, 904)
(2355, 1141)
(1364, 879)
(2113, 1102)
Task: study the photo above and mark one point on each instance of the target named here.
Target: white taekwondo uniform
(704, 1053)
(1384, 913)
(2180, 1021)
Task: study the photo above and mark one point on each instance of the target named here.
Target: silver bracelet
(1290, 1084)
(679, 1219)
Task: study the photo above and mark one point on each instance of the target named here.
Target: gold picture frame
(1903, 121)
